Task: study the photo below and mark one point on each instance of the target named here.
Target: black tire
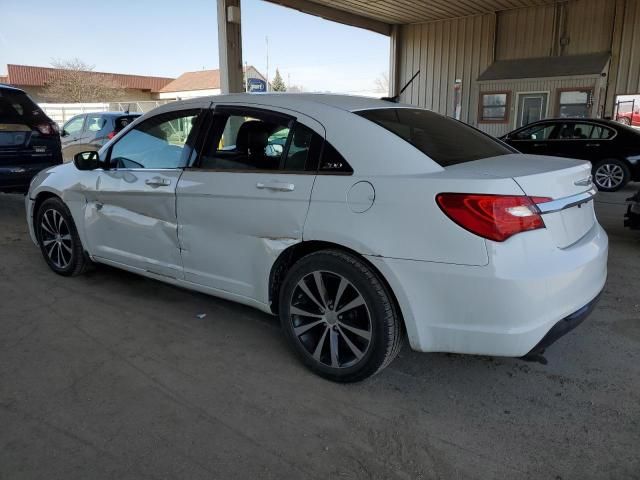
(362, 284)
(611, 175)
(58, 239)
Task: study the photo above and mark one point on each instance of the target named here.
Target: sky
(167, 38)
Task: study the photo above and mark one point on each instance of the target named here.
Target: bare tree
(75, 81)
(382, 83)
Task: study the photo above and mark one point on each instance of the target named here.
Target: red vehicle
(630, 118)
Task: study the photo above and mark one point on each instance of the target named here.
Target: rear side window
(95, 123)
(445, 140)
(123, 121)
(18, 107)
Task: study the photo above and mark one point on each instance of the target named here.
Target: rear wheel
(58, 238)
(611, 175)
(625, 120)
(339, 317)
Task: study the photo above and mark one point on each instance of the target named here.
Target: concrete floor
(110, 375)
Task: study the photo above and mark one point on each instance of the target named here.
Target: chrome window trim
(567, 202)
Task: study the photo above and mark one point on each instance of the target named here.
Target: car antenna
(396, 98)
(127, 109)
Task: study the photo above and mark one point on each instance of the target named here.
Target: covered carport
(456, 44)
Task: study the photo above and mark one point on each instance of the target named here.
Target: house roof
(201, 80)
(27, 75)
(565, 66)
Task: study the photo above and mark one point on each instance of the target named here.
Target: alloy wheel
(55, 237)
(330, 319)
(609, 175)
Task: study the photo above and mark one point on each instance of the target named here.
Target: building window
(575, 103)
(494, 107)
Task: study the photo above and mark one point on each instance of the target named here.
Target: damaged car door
(132, 218)
(245, 199)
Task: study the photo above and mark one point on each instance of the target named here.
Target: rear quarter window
(18, 107)
(123, 121)
(445, 140)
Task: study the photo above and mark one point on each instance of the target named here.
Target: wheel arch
(292, 254)
(41, 197)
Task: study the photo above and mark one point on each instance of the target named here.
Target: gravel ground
(110, 375)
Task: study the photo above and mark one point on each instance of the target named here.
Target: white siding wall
(443, 52)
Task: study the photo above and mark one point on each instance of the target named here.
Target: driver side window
(158, 143)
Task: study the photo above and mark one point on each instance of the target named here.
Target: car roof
(117, 114)
(349, 103)
(577, 119)
(4, 86)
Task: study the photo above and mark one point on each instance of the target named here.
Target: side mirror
(86, 160)
(64, 133)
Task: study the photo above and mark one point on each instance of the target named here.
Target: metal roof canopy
(379, 15)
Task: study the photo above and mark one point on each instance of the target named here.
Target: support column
(394, 61)
(230, 46)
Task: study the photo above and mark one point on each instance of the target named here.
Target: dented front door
(131, 219)
(233, 225)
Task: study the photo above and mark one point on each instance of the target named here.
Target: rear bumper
(564, 326)
(632, 217)
(505, 308)
(17, 176)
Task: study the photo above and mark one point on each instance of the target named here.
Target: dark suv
(90, 131)
(29, 140)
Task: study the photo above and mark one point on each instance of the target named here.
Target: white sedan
(358, 221)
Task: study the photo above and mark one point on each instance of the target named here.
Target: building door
(531, 108)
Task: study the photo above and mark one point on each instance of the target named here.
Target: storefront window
(576, 104)
(494, 107)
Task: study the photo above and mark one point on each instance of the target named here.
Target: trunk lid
(540, 176)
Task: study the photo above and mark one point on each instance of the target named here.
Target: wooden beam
(230, 47)
(336, 15)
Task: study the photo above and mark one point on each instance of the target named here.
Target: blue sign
(256, 85)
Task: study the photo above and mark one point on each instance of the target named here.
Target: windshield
(443, 139)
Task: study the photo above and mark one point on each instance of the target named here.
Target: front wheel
(611, 175)
(58, 238)
(339, 317)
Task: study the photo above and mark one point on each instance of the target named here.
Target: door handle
(158, 182)
(593, 144)
(539, 144)
(276, 186)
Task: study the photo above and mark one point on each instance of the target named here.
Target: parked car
(29, 140)
(90, 131)
(632, 217)
(612, 148)
(382, 219)
(631, 118)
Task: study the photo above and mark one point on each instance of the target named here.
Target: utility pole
(267, 42)
(246, 79)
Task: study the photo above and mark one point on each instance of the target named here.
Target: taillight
(495, 217)
(48, 129)
(111, 135)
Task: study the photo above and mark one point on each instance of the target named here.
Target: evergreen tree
(277, 84)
